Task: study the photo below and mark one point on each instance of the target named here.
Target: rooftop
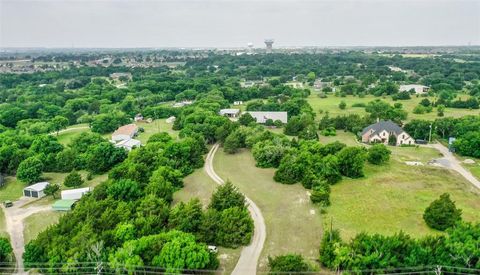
(128, 129)
(74, 191)
(39, 186)
(387, 125)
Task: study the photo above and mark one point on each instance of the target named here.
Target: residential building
(129, 144)
(36, 190)
(74, 194)
(125, 132)
(262, 117)
(383, 131)
(236, 103)
(419, 89)
(229, 112)
(138, 117)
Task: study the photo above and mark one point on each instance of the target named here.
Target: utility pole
(430, 134)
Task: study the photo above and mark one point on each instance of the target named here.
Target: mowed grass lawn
(331, 103)
(293, 224)
(36, 223)
(393, 197)
(156, 126)
(71, 132)
(3, 225)
(12, 190)
(200, 185)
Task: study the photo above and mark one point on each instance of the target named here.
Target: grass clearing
(393, 197)
(196, 185)
(66, 137)
(3, 225)
(12, 190)
(156, 126)
(342, 136)
(36, 223)
(293, 224)
(330, 104)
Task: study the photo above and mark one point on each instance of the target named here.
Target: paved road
(14, 217)
(453, 163)
(248, 261)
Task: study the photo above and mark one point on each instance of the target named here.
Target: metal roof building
(74, 194)
(262, 117)
(35, 190)
(63, 205)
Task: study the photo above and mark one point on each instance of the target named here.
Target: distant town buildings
(182, 104)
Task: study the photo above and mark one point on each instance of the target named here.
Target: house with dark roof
(383, 131)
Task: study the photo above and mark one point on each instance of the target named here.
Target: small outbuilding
(36, 190)
(170, 119)
(229, 112)
(63, 205)
(419, 89)
(125, 132)
(129, 144)
(74, 194)
(262, 117)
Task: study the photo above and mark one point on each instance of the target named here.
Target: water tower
(250, 47)
(269, 43)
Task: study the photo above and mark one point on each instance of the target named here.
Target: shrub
(378, 154)
(359, 105)
(321, 193)
(342, 105)
(442, 213)
(329, 131)
(284, 264)
(73, 179)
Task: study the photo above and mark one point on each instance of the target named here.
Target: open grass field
(12, 190)
(71, 132)
(393, 197)
(157, 126)
(342, 136)
(38, 222)
(330, 104)
(196, 185)
(293, 224)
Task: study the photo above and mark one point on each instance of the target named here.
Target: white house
(382, 131)
(36, 190)
(74, 194)
(419, 89)
(125, 132)
(129, 144)
(236, 103)
(229, 112)
(262, 117)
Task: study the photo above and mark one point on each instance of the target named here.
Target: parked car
(7, 204)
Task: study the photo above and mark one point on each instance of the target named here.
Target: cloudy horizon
(229, 23)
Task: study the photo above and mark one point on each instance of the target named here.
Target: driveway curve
(454, 163)
(248, 261)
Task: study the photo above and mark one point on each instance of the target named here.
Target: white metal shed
(35, 190)
(74, 194)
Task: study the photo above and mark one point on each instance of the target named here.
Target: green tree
(342, 105)
(378, 154)
(186, 217)
(183, 253)
(235, 227)
(124, 189)
(227, 196)
(288, 264)
(440, 110)
(5, 250)
(442, 213)
(351, 161)
(73, 179)
(30, 170)
(58, 123)
(320, 193)
(52, 189)
(246, 119)
(331, 243)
